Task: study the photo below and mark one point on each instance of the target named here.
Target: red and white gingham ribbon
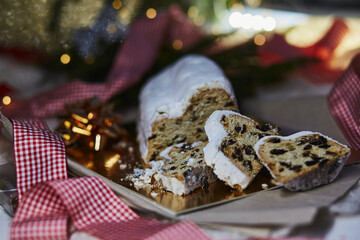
(93, 208)
(344, 103)
(48, 201)
(39, 155)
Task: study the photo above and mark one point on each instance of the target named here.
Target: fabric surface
(344, 103)
(92, 207)
(39, 155)
(49, 202)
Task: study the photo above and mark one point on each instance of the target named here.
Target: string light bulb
(97, 142)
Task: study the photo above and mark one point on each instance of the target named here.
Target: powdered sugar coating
(168, 94)
(223, 167)
(174, 185)
(142, 177)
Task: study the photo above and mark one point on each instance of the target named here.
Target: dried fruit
(307, 147)
(247, 165)
(330, 153)
(326, 146)
(152, 137)
(249, 150)
(278, 151)
(285, 164)
(237, 151)
(311, 163)
(243, 129)
(323, 162)
(296, 168)
(229, 104)
(306, 154)
(274, 140)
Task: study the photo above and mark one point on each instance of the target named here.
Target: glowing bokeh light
(90, 115)
(97, 142)
(253, 3)
(199, 21)
(112, 161)
(151, 13)
(177, 44)
(259, 39)
(6, 100)
(66, 137)
(117, 4)
(269, 24)
(67, 124)
(258, 22)
(193, 12)
(235, 19)
(65, 58)
(249, 21)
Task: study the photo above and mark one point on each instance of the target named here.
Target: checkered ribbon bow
(344, 103)
(49, 202)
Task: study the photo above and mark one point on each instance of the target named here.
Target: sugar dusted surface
(222, 166)
(174, 185)
(168, 93)
(142, 177)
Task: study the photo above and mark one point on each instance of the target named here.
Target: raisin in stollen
(303, 160)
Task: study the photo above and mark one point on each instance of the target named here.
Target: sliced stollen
(185, 169)
(303, 160)
(175, 104)
(180, 170)
(230, 149)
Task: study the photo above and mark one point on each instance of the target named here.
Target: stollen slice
(302, 161)
(230, 149)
